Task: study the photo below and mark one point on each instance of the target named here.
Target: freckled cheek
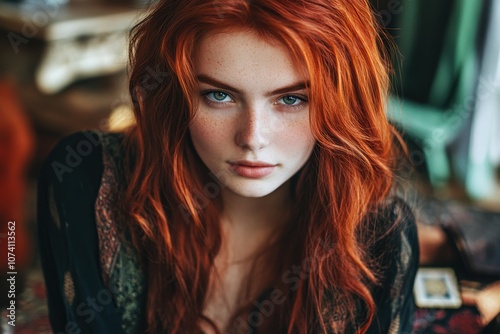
(296, 139)
(208, 134)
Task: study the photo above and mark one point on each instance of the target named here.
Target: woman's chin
(256, 188)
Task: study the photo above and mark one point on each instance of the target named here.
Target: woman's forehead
(242, 56)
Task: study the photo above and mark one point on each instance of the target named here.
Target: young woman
(253, 194)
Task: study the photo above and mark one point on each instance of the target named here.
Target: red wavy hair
(175, 224)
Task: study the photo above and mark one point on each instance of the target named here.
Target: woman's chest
(228, 291)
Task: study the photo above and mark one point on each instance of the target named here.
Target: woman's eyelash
(224, 95)
(297, 97)
(210, 97)
(302, 101)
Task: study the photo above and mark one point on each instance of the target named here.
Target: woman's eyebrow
(214, 82)
(289, 88)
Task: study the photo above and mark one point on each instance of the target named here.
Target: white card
(437, 288)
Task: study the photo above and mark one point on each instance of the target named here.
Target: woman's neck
(249, 224)
(250, 227)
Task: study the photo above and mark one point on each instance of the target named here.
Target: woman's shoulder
(394, 234)
(79, 157)
(77, 172)
(80, 245)
(79, 179)
(394, 220)
(394, 243)
(395, 254)
(395, 207)
(81, 182)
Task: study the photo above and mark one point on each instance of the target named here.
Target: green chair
(484, 149)
(436, 76)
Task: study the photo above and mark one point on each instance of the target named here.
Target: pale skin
(253, 110)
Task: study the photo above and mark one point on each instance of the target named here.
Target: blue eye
(217, 96)
(291, 100)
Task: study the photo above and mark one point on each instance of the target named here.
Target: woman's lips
(252, 169)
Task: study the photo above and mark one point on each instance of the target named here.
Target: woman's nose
(253, 130)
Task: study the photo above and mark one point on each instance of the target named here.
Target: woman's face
(251, 128)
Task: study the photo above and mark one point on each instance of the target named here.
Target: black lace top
(94, 281)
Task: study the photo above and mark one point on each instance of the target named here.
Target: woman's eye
(218, 97)
(291, 100)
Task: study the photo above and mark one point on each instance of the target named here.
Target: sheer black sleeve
(398, 253)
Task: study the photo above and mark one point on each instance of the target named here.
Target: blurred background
(63, 69)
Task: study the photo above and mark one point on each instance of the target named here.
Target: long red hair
(174, 217)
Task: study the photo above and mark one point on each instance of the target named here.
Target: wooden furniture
(81, 40)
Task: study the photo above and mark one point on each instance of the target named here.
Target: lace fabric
(93, 276)
(121, 269)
